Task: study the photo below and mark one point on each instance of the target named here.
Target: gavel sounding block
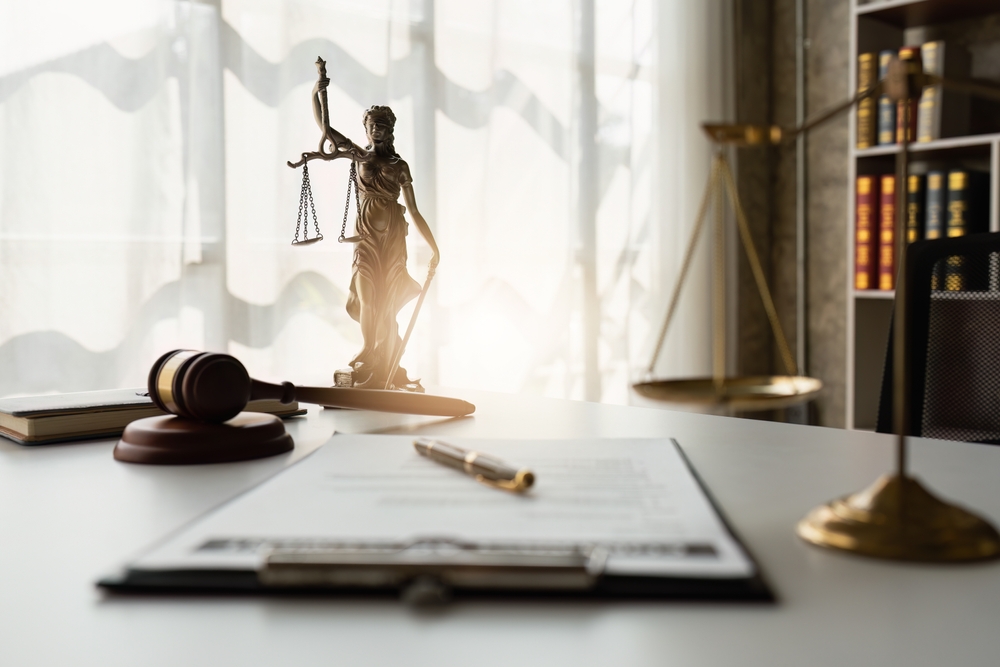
(171, 440)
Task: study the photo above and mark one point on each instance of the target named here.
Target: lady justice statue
(380, 284)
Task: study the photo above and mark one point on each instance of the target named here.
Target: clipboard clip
(428, 569)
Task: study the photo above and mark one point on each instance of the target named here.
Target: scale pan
(758, 392)
(315, 239)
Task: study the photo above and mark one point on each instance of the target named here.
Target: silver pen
(484, 468)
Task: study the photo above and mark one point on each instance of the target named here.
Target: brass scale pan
(756, 392)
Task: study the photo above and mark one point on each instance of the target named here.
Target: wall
(766, 77)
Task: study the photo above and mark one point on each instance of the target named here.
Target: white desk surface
(69, 513)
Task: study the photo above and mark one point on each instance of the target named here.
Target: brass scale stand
(896, 518)
(306, 197)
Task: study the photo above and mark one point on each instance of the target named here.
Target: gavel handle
(380, 400)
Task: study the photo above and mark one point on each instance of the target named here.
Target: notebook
(39, 420)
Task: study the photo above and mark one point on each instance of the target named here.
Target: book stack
(938, 204)
(938, 113)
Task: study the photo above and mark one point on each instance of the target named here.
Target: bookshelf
(890, 24)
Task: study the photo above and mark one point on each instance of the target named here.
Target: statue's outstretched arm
(406, 186)
(341, 145)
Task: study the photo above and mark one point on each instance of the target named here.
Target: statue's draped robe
(380, 258)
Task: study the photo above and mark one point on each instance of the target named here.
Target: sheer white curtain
(145, 203)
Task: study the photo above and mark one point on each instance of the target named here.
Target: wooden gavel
(213, 387)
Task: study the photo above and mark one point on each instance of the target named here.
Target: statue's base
(344, 377)
(898, 519)
(171, 440)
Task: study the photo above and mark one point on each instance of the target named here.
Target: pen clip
(521, 482)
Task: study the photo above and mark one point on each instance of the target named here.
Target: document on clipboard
(606, 517)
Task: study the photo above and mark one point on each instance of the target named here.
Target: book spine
(906, 116)
(958, 215)
(886, 107)
(867, 72)
(929, 109)
(968, 203)
(934, 207)
(886, 233)
(864, 249)
(934, 217)
(906, 111)
(958, 204)
(915, 194)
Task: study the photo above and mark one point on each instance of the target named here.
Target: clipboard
(433, 568)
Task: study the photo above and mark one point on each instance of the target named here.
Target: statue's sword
(398, 357)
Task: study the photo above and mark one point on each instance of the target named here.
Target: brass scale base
(898, 519)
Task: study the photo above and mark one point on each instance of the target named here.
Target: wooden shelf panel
(972, 295)
(910, 13)
(874, 294)
(951, 143)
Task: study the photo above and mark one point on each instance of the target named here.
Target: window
(145, 203)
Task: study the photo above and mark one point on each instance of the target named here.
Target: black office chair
(953, 296)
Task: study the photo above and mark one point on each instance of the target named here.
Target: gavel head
(205, 386)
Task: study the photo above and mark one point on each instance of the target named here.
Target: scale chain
(312, 206)
(352, 180)
(302, 201)
(304, 197)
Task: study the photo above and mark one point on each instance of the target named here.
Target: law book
(934, 205)
(886, 107)
(886, 232)
(916, 194)
(864, 248)
(867, 76)
(943, 113)
(934, 210)
(906, 110)
(968, 213)
(37, 420)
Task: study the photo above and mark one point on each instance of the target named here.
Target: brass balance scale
(897, 517)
